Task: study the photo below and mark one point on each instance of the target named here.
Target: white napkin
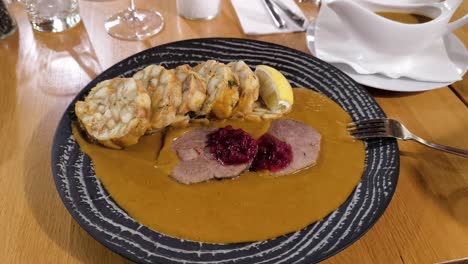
(255, 20)
(333, 44)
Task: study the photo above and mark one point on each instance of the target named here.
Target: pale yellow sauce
(252, 207)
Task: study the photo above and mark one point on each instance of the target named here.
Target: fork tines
(367, 128)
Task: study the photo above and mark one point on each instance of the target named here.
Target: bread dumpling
(249, 87)
(115, 113)
(222, 87)
(193, 89)
(165, 92)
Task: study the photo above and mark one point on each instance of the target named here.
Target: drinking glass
(310, 8)
(198, 9)
(7, 22)
(52, 15)
(134, 23)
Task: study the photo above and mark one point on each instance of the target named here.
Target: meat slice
(196, 163)
(304, 141)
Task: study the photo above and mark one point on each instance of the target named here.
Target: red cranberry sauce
(232, 146)
(273, 154)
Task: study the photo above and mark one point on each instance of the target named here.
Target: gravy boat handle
(457, 24)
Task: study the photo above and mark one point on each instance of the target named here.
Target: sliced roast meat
(196, 163)
(190, 145)
(303, 139)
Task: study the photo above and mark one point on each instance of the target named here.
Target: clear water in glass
(52, 15)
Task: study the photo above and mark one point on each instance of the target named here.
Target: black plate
(89, 203)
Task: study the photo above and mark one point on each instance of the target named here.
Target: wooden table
(426, 222)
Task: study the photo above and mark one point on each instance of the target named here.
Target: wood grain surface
(40, 73)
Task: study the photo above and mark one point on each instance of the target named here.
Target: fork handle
(456, 151)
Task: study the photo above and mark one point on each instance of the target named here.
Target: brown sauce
(254, 206)
(406, 18)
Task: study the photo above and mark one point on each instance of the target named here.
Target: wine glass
(310, 8)
(134, 23)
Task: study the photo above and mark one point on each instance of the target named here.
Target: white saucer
(455, 50)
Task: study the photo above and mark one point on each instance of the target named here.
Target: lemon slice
(275, 89)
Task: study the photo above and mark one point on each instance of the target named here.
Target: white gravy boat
(382, 35)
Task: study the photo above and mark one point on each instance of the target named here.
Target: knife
(296, 18)
(277, 19)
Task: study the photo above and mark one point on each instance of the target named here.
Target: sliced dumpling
(261, 112)
(222, 87)
(193, 89)
(115, 113)
(248, 87)
(165, 91)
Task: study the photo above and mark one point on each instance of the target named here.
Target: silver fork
(390, 128)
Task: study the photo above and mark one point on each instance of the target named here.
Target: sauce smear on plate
(253, 207)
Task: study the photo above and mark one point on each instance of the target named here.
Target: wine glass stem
(132, 5)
